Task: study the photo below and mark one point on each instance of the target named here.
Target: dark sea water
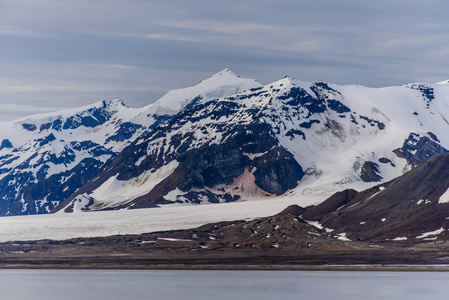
(218, 285)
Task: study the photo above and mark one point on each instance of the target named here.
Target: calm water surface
(218, 285)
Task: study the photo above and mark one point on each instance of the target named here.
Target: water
(220, 285)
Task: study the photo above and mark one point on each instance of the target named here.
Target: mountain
(412, 208)
(46, 158)
(289, 139)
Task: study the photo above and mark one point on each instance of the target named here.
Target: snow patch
(174, 240)
(421, 201)
(402, 238)
(140, 160)
(173, 195)
(444, 198)
(316, 224)
(252, 156)
(342, 237)
(431, 233)
(313, 233)
(114, 192)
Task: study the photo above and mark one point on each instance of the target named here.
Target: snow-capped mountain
(46, 158)
(286, 139)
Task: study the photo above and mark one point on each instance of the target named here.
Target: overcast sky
(56, 54)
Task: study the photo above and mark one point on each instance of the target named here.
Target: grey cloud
(69, 53)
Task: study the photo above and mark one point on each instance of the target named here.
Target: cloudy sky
(56, 54)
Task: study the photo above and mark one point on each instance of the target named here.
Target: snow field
(137, 221)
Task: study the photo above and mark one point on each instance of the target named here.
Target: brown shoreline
(351, 268)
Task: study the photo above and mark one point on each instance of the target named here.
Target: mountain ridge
(226, 139)
(286, 139)
(47, 157)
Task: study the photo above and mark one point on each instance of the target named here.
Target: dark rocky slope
(411, 208)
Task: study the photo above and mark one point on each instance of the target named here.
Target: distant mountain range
(226, 139)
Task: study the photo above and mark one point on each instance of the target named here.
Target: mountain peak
(224, 73)
(116, 103)
(222, 78)
(287, 81)
(221, 84)
(68, 112)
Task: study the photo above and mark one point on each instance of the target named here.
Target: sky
(57, 54)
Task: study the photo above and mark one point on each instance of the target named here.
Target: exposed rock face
(370, 172)
(277, 171)
(417, 148)
(385, 160)
(6, 144)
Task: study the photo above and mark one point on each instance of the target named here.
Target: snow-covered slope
(286, 139)
(221, 84)
(46, 158)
